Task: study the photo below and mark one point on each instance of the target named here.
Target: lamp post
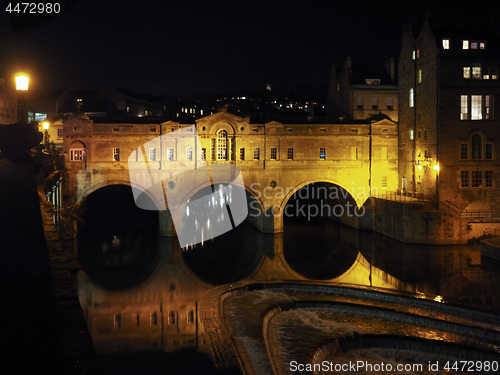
(22, 83)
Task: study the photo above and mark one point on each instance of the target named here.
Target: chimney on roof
(390, 68)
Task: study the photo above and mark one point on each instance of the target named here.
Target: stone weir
(282, 328)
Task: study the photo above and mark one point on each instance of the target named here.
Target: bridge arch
(356, 194)
(116, 239)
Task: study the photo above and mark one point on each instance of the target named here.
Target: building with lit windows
(361, 91)
(448, 121)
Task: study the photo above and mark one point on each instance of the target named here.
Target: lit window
(488, 113)
(446, 44)
(152, 154)
(482, 45)
(476, 112)
(170, 154)
(116, 154)
(464, 179)
(77, 154)
(464, 108)
(273, 153)
(477, 179)
(473, 45)
(222, 145)
(189, 154)
(464, 151)
(242, 153)
(476, 72)
(289, 153)
(476, 147)
(256, 153)
(488, 178)
(212, 148)
(412, 135)
(414, 55)
(412, 98)
(466, 73)
(59, 133)
(420, 76)
(465, 44)
(322, 153)
(494, 73)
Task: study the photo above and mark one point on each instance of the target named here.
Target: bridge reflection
(162, 312)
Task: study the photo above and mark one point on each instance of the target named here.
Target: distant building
(449, 135)
(8, 113)
(358, 92)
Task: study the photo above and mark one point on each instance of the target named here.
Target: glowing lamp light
(45, 125)
(436, 167)
(22, 82)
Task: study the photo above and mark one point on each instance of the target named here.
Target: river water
(141, 294)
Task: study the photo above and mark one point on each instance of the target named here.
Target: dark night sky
(167, 47)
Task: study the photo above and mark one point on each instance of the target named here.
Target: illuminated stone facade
(276, 159)
(359, 92)
(448, 120)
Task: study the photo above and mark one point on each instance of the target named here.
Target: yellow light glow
(436, 167)
(419, 167)
(45, 125)
(439, 299)
(22, 82)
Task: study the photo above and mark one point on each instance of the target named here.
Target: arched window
(222, 145)
(477, 147)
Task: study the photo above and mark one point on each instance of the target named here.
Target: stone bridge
(275, 159)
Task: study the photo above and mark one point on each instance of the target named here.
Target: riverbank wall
(420, 223)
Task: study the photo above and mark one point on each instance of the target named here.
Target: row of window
(479, 72)
(153, 318)
(472, 107)
(475, 149)
(375, 103)
(78, 154)
(476, 107)
(476, 179)
(466, 44)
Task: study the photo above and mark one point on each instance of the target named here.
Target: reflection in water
(162, 312)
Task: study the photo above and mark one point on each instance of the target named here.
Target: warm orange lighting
(436, 167)
(439, 299)
(22, 82)
(45, 125)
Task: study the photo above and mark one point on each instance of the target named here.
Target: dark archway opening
(117, 241)
(225, 258)
(315, 244)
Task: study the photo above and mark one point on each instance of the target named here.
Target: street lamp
(46, 125)
(22, 83)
